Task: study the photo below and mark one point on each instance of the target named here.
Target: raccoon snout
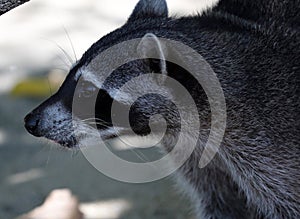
(32, 121)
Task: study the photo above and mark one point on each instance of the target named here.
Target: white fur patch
(98, 80)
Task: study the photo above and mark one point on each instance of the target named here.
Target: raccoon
(253, 48)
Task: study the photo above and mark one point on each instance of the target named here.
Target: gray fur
(253, 47)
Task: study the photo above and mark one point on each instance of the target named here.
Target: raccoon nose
(32, 123)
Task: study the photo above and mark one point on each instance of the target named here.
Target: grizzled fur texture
(253, 47)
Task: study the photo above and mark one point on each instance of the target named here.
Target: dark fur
(253, 46)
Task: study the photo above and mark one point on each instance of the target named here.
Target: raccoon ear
(149, 8)
(155, 52)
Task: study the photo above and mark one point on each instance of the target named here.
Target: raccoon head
(82, 107)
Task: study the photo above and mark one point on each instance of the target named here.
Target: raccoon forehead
(104, 79)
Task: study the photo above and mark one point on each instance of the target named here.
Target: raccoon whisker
(98, 123)
(49, 86)
(69, 58)
(95, 119)
(139, 154)
(71, 43)
(65, 63)
(49, 154)
(85, 127)
(92, 118)
(74, 153)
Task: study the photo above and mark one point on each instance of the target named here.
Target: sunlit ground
(36, 39)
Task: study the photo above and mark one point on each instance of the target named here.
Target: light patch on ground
(2, 137)
(26, 176)
(111, 209)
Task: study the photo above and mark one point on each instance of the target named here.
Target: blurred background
(39, 41)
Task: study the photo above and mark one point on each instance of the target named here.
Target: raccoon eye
(87, 90)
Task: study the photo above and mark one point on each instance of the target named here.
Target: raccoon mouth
(69, 142)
